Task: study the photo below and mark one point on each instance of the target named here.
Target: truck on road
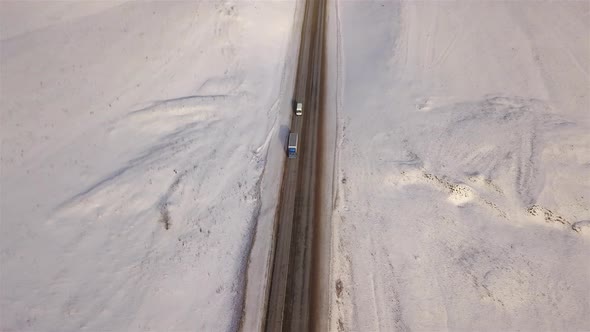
(292, 149)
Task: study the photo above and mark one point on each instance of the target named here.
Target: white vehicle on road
(299, 109)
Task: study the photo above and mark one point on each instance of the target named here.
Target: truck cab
(299, 109)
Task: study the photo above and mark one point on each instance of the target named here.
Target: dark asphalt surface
(290, 297)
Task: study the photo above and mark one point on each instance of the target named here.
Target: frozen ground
(134, 140)
(464, 165)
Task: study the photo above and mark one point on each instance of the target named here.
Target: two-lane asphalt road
(290, 296)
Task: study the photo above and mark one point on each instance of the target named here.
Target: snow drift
(134, 141)
(463, 165)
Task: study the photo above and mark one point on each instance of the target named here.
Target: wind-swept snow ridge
(134, 142)
(462, 172)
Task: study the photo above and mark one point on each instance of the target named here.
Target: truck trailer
(292, 149)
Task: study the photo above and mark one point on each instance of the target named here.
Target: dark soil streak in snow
(165, 200)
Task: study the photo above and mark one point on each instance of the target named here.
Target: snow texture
(135, 138)
(463, 165)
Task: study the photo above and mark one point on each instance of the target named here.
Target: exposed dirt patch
(548, 215)
(339, 288)
(165, 216)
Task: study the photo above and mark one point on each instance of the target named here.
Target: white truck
(292, 149)
(299, 109)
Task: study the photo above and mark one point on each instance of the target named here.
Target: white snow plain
(135, 137)
(463, 165)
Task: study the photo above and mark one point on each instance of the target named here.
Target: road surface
(290, 298)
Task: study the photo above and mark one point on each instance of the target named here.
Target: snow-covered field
(463, 169)
(134, 142)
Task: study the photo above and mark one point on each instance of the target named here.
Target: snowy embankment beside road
(464, 165)
(135, 138)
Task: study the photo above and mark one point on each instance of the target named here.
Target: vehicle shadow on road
(283, 135)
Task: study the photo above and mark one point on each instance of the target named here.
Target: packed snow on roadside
(463, 167)
(134, 142)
